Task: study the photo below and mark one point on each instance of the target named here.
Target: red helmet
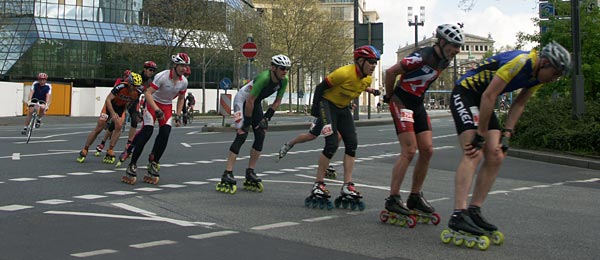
(126, 74)
(42, 75)
(181, 58)
(150, 64)
(367, 52)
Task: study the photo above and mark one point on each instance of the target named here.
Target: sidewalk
(555, 158)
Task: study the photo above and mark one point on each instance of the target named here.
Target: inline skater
(482, 138)
(248, 113)
(418, 71)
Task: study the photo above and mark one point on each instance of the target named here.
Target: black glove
(264, 123)
(504, 141)
(270, 112)
(159, 114)
(477, 141)
(178, 119)
(386, 99)
(376, 92)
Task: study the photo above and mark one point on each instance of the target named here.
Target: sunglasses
(151, 69)
(283, 68)
(372, 61)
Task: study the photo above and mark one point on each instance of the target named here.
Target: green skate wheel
(446, 236)
(233, 189)
(260, 187)
(457, 241)
(484, 243)
(97, 154)
(497, 238)
(401, 222)
(470, 243)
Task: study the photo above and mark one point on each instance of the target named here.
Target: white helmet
(181, 58)
(281, 60)
(451, 33)
(559, 57)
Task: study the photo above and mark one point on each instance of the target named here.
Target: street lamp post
(417, 23)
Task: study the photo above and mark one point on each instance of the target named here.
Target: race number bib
(327, 131)
(406, 115)
(103, 116)
(237, 116)
(475, 113)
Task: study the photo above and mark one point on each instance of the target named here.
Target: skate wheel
(233, 189)
(470, 243)
(361, 206)
(401, 221)
(344, 203)
(329, 205)
(497, 238)
(315, 202)
(118, 164)
(80, 160)
(307, 202)
(383, 216)
(322, 204)
(353, 205)
(260, 187)
(457, 241)
(411, 221)
(97, 154)
(483, 243)
(446, 236)
(337, 202)
(218, 186)
(435, 218)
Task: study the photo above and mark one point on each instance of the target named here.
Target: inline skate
(330, 173)
(99, 149)
(319, 196)
(130, 174)
(397, 213)
(81, 156)
(461, 229)
(349, 196)
(283, 151)
(109, 157)
(488, 228)
(252, 182)
(421, 208)
(122, 158)
(227, 183)
(152, 175)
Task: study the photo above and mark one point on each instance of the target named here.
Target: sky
(502, 18)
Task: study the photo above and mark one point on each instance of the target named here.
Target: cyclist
(113, 111)
(480, 135)
(190, 101)
(134, 108)
(405, 97)
(167, 85)
(330, 105)
(41, 93)
(248, 113)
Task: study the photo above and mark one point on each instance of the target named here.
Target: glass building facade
(76, 39)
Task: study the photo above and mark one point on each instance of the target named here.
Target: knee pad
(331, 146)
(238, 142)
(259, 139)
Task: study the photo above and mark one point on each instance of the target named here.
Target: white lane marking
(275, 225)
(23, 179)
(319, 218)
(52, 176)
(219, 160)
(588, 180)
(16, 156)
(168, 165)
(79, 173)
(499, 192)
(95, 253)
(186, 163)
(14, 207)
(213, 234)
(53, 201)
(272, 172)
(154, 216)
(40, 154)
(304, 168)
(153, 244)
(440, 199)
(204, 161)
(541, 186)
(43, 141)
(356, 184)
(522, 188)
(133, 209)
(218, 142)
(148, 189)
(186, 145)
(104, 171)
(89, 197)
(172, 186)
(289, 170)
(120, 192)
(195, 182)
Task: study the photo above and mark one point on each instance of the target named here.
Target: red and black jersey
(124, 95)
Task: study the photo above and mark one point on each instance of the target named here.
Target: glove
(159, 114)
(504, 141)
(178, 119)
(264, 123)
(376, 92)
(386, 99)
(477, 141)
(270, 112)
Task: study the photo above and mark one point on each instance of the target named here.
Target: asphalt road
(52, 207)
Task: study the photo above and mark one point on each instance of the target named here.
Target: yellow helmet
(135, 79)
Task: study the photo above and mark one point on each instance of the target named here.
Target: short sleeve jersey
(514, 67)
(39, 91)
(124, 96)
(262, 87)
(166, 90)
(421, 68)
(345, 85)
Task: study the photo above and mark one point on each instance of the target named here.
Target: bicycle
(189, 116)
(34, 117)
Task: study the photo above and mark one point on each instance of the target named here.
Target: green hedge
(547, 124)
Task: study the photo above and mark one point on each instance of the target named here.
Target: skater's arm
(390, 79)
(488, 100)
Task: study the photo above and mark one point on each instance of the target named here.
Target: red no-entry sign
(249, 50)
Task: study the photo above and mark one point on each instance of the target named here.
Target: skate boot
(130, 174)
(461, 229)
(349, 196)
(82, 155)
(122, 158)
(330, 173)
(152, 175)
(227, 183)
(99, 149)
(283, 151)
(489, 229)
(319, 196)
(252, 182)
(109, 157)
(397, 213)
(421, 208)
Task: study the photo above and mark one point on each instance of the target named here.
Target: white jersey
(165, 90)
